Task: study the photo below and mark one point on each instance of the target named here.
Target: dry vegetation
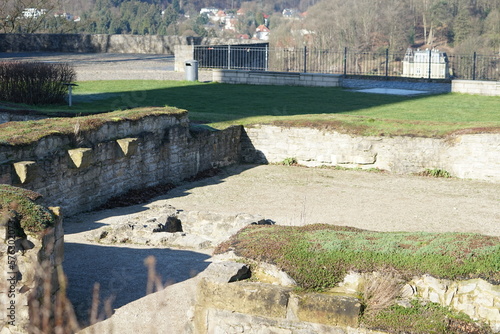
(23, 133)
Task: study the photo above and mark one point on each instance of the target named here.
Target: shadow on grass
(215, 102)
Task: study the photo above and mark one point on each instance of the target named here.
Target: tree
(25, 16)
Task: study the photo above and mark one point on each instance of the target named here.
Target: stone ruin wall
(39, 250)
(251, 307)
(81, 172)
(472, 156)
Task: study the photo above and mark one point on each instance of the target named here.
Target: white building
(262, 32)
(417, 63)
(33, 13)
(208, 10)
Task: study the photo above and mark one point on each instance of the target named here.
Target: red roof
(262, 28)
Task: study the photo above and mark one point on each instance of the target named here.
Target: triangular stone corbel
(128, 146)
(80, 157)
(25, 171)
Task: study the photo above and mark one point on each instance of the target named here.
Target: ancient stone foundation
(473, 156)
(80, 172)
(30, 262)
(224, 305)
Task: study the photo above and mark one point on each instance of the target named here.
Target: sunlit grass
(221, 105)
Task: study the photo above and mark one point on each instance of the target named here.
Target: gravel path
(109, 66)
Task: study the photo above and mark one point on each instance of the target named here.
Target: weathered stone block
(80, 157)
(128, 146)
(25, 171)
(327, 309)
(244, 297)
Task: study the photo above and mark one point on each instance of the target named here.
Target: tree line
(361, 25)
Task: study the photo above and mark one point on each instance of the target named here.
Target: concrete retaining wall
(489, 88)
(276, 78)
(474, 156)
(81, 174)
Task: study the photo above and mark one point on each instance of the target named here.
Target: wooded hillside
(462, 26)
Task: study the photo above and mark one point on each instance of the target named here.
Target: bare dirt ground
(373, 201)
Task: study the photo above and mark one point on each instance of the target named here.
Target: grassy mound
(19, 133)
(319, 256)
(20, 205)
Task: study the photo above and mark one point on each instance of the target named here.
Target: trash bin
(191, 69)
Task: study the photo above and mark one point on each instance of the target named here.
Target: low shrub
(436, 172)
(289, 162)
(35, 83)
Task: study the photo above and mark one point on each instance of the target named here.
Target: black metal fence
(260, 57)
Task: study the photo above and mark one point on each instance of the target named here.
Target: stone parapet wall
(489, 88)
(83, 171)
(476, 298)
(150, 44)
(276, 78)
(473, 156)
(252, 307)
(17, 117)
(182, 54)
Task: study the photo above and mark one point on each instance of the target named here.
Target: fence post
(430, 62)
(266, 68)
(386, 63)
(345, 61)
(228, 57)
(474, 66)
(305, 59)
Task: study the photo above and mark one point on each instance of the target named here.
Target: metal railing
(385, 64)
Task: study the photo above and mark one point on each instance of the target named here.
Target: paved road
(111, 66)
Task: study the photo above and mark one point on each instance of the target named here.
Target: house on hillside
(208, 10)
(33, 13)
(262, 32)
(417, 63)
(290, 13)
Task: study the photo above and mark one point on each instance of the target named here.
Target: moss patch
(20, 203)
(21, 133)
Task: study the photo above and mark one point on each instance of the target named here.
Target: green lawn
(223, 104)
